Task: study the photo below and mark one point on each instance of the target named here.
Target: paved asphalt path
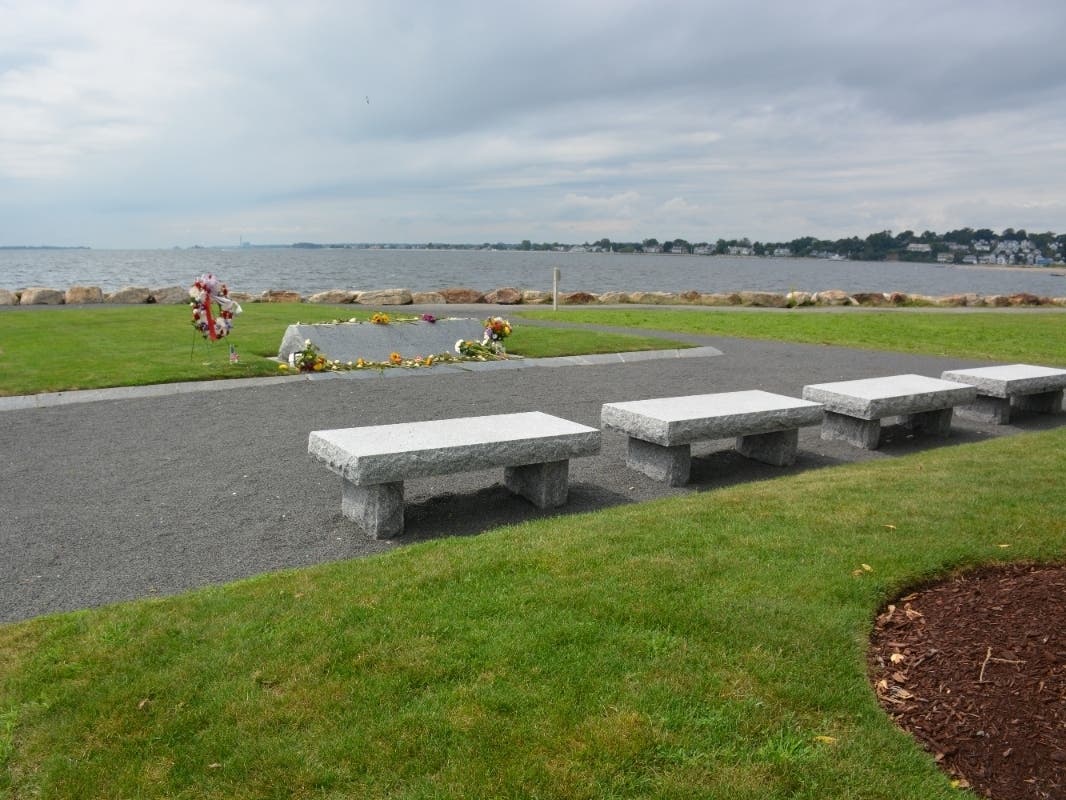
(142, 496)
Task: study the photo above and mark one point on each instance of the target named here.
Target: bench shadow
(723, 466)
(470, 513)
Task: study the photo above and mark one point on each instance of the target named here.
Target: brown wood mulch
(975, 670)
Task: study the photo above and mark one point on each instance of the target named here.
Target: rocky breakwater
(509, 295)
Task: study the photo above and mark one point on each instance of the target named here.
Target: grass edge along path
(1037, 338)
(705, 646)
(50, 350)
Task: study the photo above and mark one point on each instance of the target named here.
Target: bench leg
(544, 485)
(985, 408)
(377, 509)
(1043, 403)
(778, 448)
(864, 433)
(669, 464)
(935, 422)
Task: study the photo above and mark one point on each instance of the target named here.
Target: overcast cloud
(165, 123)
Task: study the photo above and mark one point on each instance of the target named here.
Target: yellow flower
(395, 358)
(283, 367)
(360, 363)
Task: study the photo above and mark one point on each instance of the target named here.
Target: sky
(159, 124)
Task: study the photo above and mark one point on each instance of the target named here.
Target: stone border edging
(51, 399)
(177, 295)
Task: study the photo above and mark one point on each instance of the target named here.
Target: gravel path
(152, 495)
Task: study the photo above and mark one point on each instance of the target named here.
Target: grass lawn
(704, 646)
(1037, 338)
(48, 350)
(708, 646)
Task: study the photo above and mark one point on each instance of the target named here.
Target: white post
(555, 288)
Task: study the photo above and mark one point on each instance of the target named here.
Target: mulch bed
(975, 669)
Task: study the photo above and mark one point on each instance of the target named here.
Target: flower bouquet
(496, 330)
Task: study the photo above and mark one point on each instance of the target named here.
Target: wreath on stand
(207, 292)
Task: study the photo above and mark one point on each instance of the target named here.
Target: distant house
(652, 248)
(945, 258)
(969, 259)
(919, 247)
(782, 252)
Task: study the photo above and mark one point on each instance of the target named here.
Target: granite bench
(854, 409)
(1021, 386)
(661, 431)
(373, 462)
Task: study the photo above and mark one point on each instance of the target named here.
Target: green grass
(703, 646)
(994, 336)
(692, 647)
(89, 348)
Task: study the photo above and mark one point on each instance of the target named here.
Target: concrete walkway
(158, 490)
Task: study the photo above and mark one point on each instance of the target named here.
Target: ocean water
(307, 271)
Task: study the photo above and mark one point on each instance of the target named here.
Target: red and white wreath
(207, 290)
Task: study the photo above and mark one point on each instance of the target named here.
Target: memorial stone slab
(350, 341)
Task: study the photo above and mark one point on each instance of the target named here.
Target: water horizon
(307, 271)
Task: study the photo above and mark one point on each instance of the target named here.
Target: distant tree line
(883, 245)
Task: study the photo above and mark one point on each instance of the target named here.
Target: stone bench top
(895, 395)
(386, 453)
(670, 421)
(1011, 379)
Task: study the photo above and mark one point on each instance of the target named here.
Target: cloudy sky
(157, 123)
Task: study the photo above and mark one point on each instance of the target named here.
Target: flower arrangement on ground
(496, 330)
(207, 290)
(310, 359)
(380, 318)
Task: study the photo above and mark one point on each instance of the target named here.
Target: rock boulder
(8, 298)
(535, 297)
(506, 296)
(719, 299)
(83, 295)
(130, 295)
(171, 295)
(280, 296)
(659, 299)
(41, 296)
(577, 299)
(1026, 299)
(833, 297)
(763, 299)
(870, 298)
(385, 297)
(428, 298)
(462, 294)
(332, 297)
(614, 298)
